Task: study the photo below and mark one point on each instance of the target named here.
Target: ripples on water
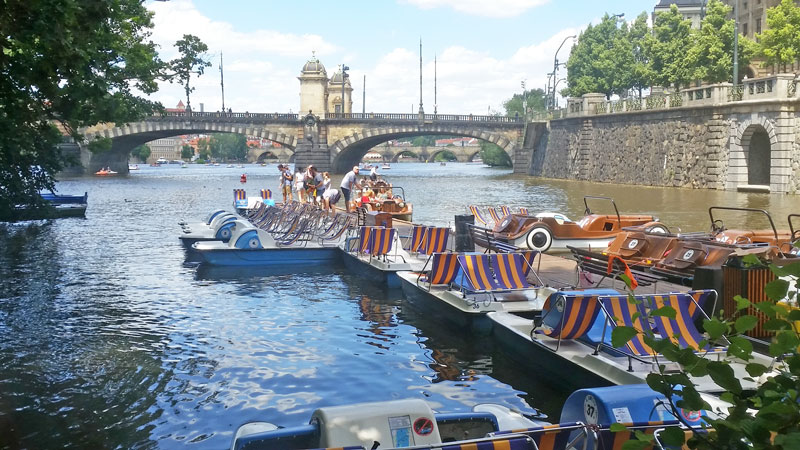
(110, 338)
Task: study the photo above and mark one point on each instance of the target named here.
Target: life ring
(540, 238)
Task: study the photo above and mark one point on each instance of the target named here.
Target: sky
(484, 49)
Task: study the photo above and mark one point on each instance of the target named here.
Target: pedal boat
(553, 232)
(460, 288)
(251, 246)
(573, 337)
(585, 423)
(690, 253)
(218, 226)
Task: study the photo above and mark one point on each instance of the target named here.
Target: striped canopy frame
(681, 330)
(381, 240)
(443, 269)
(475, 270)
(508, 270)
(620, 312)
(435, 240)
(552, 437)
(478, 216)
(266, 194)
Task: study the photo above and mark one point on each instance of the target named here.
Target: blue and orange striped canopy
(475, 270)
(621, 312)
(443, 268)
(381, 241)
(577, 314)
(508, 269)
(435, 240)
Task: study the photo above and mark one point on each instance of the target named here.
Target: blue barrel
(633, 403)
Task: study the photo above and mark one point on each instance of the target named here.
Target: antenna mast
(222, 81)
(435, 105)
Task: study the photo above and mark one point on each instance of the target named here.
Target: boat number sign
(633, 243)
(423, 426)
(590, 409)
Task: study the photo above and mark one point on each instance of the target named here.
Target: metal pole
(343, 66)
(435, 103)
(364, 97)
(421, 111)
(222, 82)
(735, 44)
(555, 70)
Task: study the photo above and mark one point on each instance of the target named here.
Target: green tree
(493, 155)
(780, 41)
(229, 146)
(187, 151)
(141, 152)
(667, 47)
(601, 60)
(204, 148)
(72, 63)
(711, 53)
(764, 418)
(641, 73)
(534, 98)
(424, 141)
(192, 60)
(445, 155)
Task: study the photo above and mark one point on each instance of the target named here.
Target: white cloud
(483, 8)
(261, 75)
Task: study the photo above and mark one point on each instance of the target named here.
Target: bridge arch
(348, 151)
(437, 151)
(472, 156)
(397, 155)
(751, 156)
(126, 137)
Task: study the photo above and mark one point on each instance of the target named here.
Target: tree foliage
(711, 54)
(72, 63)
(187, 151)
(533, 98)
(192, 60)
(601, 59)
(141, 152)
(667, 47)
(224, 146)
(767, 417)
(780, 41)
(640, 71)
(493, 155)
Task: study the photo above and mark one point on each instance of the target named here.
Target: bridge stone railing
(775, 87)
(282, 117)
(426, 117)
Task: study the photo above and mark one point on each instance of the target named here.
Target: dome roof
(313, 66)
(337, 78)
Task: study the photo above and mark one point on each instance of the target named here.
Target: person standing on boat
(314, 182)
(285, 182)
(349, 183)
(373, 174)
(299, 184)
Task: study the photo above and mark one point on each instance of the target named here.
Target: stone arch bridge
(333, 142)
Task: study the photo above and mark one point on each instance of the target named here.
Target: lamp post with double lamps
(555, 71)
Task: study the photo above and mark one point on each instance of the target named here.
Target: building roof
(337, 78)
(314, 66)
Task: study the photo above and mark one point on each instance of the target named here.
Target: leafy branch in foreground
(766, 417)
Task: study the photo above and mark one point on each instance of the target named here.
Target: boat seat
(504, 443)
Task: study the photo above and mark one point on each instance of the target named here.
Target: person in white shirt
(349, 183)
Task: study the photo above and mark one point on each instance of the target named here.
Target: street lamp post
(735, 44)
(555, 70)
(524, 102)
(344, 77)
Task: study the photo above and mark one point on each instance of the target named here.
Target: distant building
(167, 148)
(693, 10)
(321, 95)
(179, 108)
(458, 142)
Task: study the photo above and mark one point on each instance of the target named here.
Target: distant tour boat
(133, 167)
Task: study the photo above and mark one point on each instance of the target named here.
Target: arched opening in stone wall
(758, 153)
(267, 157)
(405, 155)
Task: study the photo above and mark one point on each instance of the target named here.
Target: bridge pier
(312, 153)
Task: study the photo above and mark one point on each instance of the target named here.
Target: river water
(110, 338)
